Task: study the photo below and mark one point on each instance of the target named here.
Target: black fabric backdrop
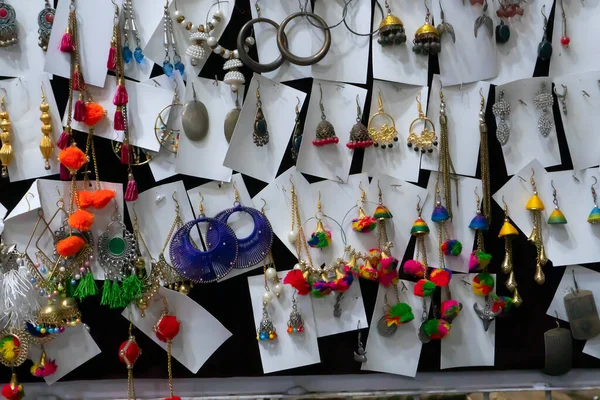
(519, 337)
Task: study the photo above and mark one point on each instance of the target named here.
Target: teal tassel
(105, 300)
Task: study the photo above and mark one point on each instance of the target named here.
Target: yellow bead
(46, 129)
(44, 107)
(5, 125)
(3, 114)
(45, 118)
(271, 337)
(43, 330)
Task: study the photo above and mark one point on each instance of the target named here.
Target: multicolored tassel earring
(440, 215)
(536, 206)
(509, 233)
(479, 259)
(594, 217)
(363, 223)
(320, 238)
(556, 217)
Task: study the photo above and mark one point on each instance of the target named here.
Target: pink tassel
(63, 140)
(65, 175)
(77, 80)
(119, 123)
(125, 153)
(79, 114)
(121, 98)
(111, 64)
(67, 45)
(131, 193)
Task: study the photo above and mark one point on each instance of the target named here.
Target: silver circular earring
(194, 119)
(282, 40)
(249, 62)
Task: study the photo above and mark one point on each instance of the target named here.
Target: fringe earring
(166, 329)
(320, 238)
(441, 215)
(6, 151)
(445, 165)
(536, 206)
(129, 352)
(363, 223)
(509, 233)
(594, 217)
(46, 145)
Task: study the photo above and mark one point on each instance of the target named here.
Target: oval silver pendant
(383, 328)
(194, 120)
(230, 122)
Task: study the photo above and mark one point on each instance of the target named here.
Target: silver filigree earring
(501, 110)
(544, 101)
(45, 21)
(8, 25)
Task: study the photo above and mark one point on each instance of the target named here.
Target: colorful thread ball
(452, 247)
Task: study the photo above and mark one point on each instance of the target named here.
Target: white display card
(399, 101)
(331, 161)
(287, 350)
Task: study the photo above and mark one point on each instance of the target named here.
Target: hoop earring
(320, 238)
(325, 131)
(167, 137)
(282, 42)
(427, 139)
(242, 46)
(386, 134)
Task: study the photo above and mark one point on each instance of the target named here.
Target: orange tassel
(86, 199)
(102, 197)
(81, 220)
(72, 158)
(94, 112)
(70, 246)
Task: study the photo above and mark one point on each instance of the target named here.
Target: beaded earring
(130, 26)
(266, 329)
(544, 101)
(427, 139)
(386, 135)
(6, 151)
(8, 25)
(45, 21)
(170, 45)
(46, 145)
(297, 135)
(391, 29)
(325, 131)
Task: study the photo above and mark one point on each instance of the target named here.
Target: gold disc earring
(46, 145)
(427, 139)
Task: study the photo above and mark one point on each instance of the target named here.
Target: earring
(360, 355)
(484, 161)
(45, 21)
(266, 329)
(297, 136)
(582, 312)
(501, 109)
(427, 139)
(232, 118)
(194, 119)
(544, 49)
(509, 233)
(325, 131)
(170, 43)
(418, 266)
(544, 101)
(386, 134)
(131, 26)
(446, 166)
(479, 259)
(46, 145)
(166, 329)
(15, 348)
(562, 97)
(484, 20)
(556, 217)
(506, 11)
(440, 215)
(363, 223)
(536, 206)
(558, 357)
(198, 33)
(295, 322)
(391, 29)
(320, 238)
(129, 352)
(6, 151)
(167, 136)
(8, 25)
(445, 27)
(427, 37)
(594, 217)
(564, 39)
(359, 135)
(261, 130)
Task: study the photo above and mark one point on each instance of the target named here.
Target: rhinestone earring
(501, 110)
(544, 101)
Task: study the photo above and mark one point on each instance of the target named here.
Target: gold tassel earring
(6, 151)
(536, 206)
(509, 232)
(46, 145)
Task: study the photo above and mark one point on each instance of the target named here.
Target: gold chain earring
(6, 151)
(509, 232)
(536, 206)
(46, 145)
(427, 139)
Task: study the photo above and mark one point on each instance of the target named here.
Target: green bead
(544, 50)
(116, 246)
(502, 33)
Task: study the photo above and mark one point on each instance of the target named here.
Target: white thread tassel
(20, 302)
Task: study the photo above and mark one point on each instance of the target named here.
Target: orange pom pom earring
(72, 158)
(102, 197)
(70, 246)
(81, 220)
(94, 113)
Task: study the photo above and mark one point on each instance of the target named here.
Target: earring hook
(27, 200)
(5, 94)
(543, 11)
(321, 102)
(297, 106)
(505, 206)
(201, 207)
(358, 110)
(194, 90)
(419, 209)
(575, 281)
(262, 209)
(237, 194)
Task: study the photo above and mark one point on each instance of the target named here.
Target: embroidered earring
(544, 101)
(427, 37)
(129, 352)
(556, 217)
(194, 119)
(445, 27)
(320, 238)
(325, 131)
(386, 134)
(167, 136)
(46, 145)
(536, 206)
(509, 233)
(8, 25)
(231, 119)
(564, 39)
(594, 217)
(166, 329)
(544, 49)
(484, 20)
(45, 21)
(501, 110)
(170, 43)
(359, 135)
(131, 27)
(297, 136)
(427, 139)
(261, 130)
(6, 151)
(391, 29)
(562, 97)
(363, 223)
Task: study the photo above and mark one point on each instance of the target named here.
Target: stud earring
(359, 135)
(501, 110)
(594, 217)
(386, 134)
(194, 119)
(544, 101)
(509, 233)
(297, 136)
(427, 37)
(536, 206)
(45, 21)
(363, 223)
(391, 29)
(46, 145)
(8, 25)
(261, 131)
(562, 97)
(320, 238)
(556, 217)
(427, 139)
(325, 131)
(544, 49)
(6, 151)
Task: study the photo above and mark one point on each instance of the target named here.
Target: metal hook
(585, 94)
(522, 102)
(575, 177)
(426, 6)
(216, 81)
(321, 102)
(194, 90)
(5, 94)
(419, 209)
(418, 98)
(477, 198)
(358, 110)
(543, 11)
(200, 206)
(43, 93)
(27, 200)
(554, 189)
(481, 94)
(505, 207)
(575, 281)
(174, 197)
(262, 209)
(297, 106)
(360, 186)
(595, 181)
(116, 6)
(557, 319)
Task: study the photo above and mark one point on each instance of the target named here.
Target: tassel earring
(6, 151)
(594, 217)
(129, 352)
(359, 135)
(536, 206)
(441, 215)
(325, 131)
(363, 223)
(556, 217)
(445, 165)
(46, 145)
(509, 233)
(320, 238)
(166, 329)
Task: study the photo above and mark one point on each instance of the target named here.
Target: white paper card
(526, 142)
(23, 99)
(348, 56)
(582, 119)
(400, 353)
(462, 111)
(299, 35)
(331, 161)
(468, 344)
(587, 279)
(458, 228)
(399, 102)
(69, 350)
(24, 57)
(156, 213)
(204, 159)
(471, 58)
(287, 351)
(200, 334)
(398, 63)
(145, 103)
(29, 202)
(278, 196)
(3, 211)
(278, 104)
(94, 31)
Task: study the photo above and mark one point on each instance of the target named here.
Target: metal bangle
(283, 47)
(249, 62)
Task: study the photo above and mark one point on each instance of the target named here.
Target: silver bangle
(249, 62)
(283, 46)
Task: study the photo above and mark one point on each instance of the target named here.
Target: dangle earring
(166, 329)
(232, 118)
(167, 136)
(363, 223)
(501, 110)
(359, 135)
(484, 162)
(325, 131)
(260, 136)
(391, 29)
(508, 9)
(441, 216)
(484, 20)
(170, 43)
(45, 21)
(194, 119)
(544, 101)
(386, 134)
(427, 139)
(129, 352)
(6, 151)
(558, 357)
(445, 27)
(564, 39)
(8, 25)
(266, 329)
(320, 238)
(46, 145)
(295, 322)
(562, 97)
(536, 206)
(594, 217)
(360, 355)
(582, 312)
(419, 267)
(445, 165)
(297, 135)
(427, 37)
(130, 27)
(509, 233)
(556, 217)
(544, 49)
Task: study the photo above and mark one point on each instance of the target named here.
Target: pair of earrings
(427, 139)
(6, 151)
